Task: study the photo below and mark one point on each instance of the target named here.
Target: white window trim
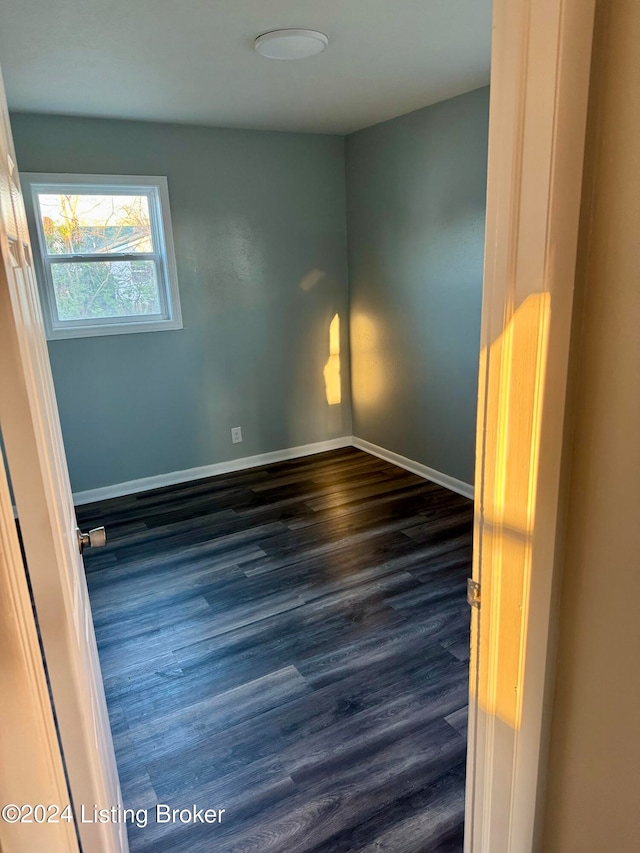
(156, 188)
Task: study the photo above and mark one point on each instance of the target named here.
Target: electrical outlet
(236, 435)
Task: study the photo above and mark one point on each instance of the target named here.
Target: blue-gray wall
(415, 216)
(260, 231)
(260, 238)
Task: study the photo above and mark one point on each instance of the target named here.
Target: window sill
(113, 329)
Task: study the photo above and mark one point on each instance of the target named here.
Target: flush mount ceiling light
(291, 44)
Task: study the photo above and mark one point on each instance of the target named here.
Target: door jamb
(541, 57)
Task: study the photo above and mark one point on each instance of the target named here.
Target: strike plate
(473, 593)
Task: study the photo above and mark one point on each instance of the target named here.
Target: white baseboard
(173, 477)
(459, 486)
(158, 481)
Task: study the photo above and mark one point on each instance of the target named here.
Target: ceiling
(193, 60)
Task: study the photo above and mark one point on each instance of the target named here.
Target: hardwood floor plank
(290, 644)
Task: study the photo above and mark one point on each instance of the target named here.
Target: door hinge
(473, 593)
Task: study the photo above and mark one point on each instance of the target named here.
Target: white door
(38, 470)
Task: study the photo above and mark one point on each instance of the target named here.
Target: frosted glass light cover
(291, 44)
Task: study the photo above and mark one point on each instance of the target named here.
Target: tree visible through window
(104, 256)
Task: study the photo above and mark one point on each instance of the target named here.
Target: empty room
(262, 292)
(287, 346)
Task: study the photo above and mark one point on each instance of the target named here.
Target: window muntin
(107, 255)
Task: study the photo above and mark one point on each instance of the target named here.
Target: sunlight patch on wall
(332, 382)
(368, 368)
(516, 364)
(309, 281)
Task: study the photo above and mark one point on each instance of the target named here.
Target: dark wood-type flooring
(290, 644)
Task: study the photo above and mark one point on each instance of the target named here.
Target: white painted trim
(459, 486)
(172, 478)
(30, 753)
(540, 67)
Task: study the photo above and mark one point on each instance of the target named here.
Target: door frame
(541, 57)
(539, 85)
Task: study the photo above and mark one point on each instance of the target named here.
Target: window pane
(95, 224)
(97, 289)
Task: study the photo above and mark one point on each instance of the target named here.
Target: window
(106, 254)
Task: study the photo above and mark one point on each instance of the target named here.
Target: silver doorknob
(95, 538)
